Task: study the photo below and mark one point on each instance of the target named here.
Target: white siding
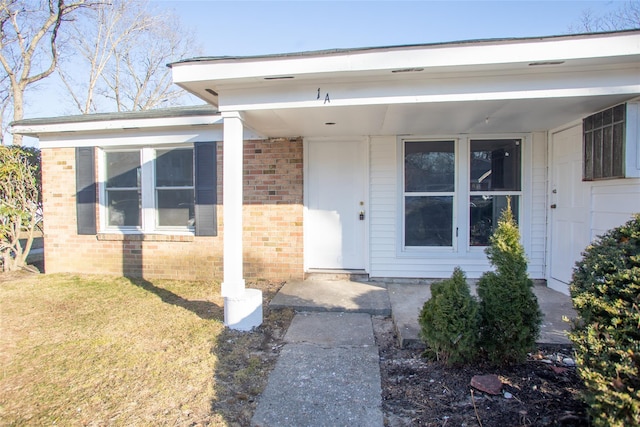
(387, 260)
(613, 203)
(536, 246)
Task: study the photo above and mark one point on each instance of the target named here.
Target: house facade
(395, 162)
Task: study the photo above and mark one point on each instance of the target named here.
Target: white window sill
(166, 236)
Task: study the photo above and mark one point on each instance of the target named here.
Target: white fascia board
(415, 92)
(428, 57)
(457, 97)
(131, 137)
(121, 125)
(140, 137)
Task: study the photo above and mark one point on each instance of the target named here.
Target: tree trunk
(18, 112)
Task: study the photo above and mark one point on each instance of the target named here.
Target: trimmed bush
(449, 321)
(509, 311)
(606, 294)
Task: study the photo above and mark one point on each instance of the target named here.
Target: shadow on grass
(204, 309)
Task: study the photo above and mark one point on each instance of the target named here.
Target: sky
(265, 27)
(242, 28)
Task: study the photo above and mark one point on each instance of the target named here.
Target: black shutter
(85, 190)
(206, 189)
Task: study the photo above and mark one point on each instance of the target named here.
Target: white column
(242, 307)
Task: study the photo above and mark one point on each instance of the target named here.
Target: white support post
(242, 307)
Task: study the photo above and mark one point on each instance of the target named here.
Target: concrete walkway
(327, 374)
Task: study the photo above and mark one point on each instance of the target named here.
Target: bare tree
(123, 50)
(29, 43)
(626, 17)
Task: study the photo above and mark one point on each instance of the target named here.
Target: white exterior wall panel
(613, 203)
(536, 248)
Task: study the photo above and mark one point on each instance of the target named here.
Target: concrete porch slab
(334, 296)
(407, 301)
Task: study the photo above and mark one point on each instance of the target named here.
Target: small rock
(489, 384)
(558, 370)
(508, 395)
(569, 361)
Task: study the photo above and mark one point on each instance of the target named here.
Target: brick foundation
(272, 215)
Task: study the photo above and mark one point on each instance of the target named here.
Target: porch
(402, 300)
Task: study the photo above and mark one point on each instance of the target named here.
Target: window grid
(604, 144)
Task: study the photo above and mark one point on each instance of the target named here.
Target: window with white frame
(123, 189)
(149, 189)
(431, 196)
(174, 199)
(429, 190)
(494, 172)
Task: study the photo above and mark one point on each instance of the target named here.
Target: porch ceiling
(442, 118)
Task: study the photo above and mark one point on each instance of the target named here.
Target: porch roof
(482, 86)
(119, 121)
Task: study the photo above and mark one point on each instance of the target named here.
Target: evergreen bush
(606, 294)
(509, 311)
(449, 321)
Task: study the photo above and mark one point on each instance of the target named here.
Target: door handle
(553, 206)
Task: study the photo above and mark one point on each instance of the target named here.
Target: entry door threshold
(357, 275)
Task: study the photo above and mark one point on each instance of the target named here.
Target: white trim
(118, 125)
(632, 140)
(440, 98)
(131, 138)
(470, 54)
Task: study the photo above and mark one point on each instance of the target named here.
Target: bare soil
(416, 391)
(419, 392)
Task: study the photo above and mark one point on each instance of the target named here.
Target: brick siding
(272, 215)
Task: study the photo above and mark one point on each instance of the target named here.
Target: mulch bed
(544, 391)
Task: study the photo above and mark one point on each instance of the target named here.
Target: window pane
(176, 208)
(174, 168)
(619, 112)
(428, 221)
(597, 153)
(607, 151)
(588, 156)
(484, 214)
(123, 169)
(618, 150)
(495, 165)
(123, 208)
(429, 166)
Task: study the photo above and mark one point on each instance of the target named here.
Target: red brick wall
(272, 217)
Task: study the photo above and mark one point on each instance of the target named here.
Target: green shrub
(449, 321)
(606, 294)
(509, 311)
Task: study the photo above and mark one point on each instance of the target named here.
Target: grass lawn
(89, 350)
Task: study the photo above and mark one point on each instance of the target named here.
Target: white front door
(569, 207)
(335, 198)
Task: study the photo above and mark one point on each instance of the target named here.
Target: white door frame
(366, 149)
